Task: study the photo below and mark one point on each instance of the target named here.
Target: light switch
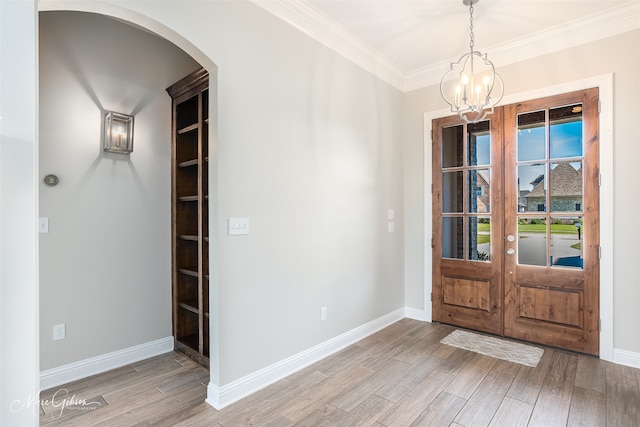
(391, 214)
(390, 227)
(238, 226)
(43, 226)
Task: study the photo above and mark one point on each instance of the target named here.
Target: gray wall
(105, 266)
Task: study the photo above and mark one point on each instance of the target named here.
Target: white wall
(105, 265)
(593, 59)
(18, 211)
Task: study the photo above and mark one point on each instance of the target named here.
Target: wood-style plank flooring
(400, 376)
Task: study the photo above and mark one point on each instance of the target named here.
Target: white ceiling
(410, 43)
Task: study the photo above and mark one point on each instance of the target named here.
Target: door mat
(495, 347)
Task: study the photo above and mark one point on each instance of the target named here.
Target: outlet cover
(59, 332)
(323, 313)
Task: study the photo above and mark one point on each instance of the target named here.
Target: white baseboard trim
(415, 314)
(219, 397)
(627, 358)
(84, 368)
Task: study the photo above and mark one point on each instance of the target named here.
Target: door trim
(605, 84)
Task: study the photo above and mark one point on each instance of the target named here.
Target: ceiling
(410, 43)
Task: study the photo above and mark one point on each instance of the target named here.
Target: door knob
(511, 251)
(511, 238)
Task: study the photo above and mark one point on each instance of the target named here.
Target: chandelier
(471, 86)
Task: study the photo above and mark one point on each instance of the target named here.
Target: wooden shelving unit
(190, 215)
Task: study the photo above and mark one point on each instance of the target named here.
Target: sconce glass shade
(118, 133)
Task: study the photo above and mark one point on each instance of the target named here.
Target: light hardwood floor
(400, 376)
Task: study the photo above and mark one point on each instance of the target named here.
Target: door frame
(605, 84)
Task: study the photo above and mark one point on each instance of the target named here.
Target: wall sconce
(118, 133)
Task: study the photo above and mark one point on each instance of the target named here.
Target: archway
(166, 33)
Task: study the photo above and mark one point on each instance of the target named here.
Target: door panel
(467, 248)
(515, 220)
(551, 205)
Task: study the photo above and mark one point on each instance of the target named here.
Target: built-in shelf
(190, 244)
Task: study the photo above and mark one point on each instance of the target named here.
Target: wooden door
(552, 266)
(515, 220)
(468, 223)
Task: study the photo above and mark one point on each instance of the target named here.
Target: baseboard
(414, 313)
(95, 365)
(219, 397)
(627, 358)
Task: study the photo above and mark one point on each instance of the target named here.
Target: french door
(516, 222)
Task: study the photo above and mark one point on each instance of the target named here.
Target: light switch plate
(238, 226)
(391, 214)
(43, 225)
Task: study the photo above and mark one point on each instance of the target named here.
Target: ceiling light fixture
(478, 88)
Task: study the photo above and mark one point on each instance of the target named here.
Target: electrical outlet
(59, 332)
(323, 313)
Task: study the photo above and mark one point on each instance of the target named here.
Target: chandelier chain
(471, 25)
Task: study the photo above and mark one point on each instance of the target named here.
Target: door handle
(511, 251)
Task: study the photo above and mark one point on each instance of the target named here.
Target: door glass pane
(479, 148)
(565, 131)
(531, 188)
(532, 241)
(565, 182)
(452, 237)
(531, 136)
(452, 192)
(452, 147)
(480, 239)
(566, 242)
(479, 185)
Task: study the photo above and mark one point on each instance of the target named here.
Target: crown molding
(301, 15)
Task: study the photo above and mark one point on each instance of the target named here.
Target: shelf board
(188, 129)
(191, 306)
(190, 237)
(188, 198)
(188, 163)
(189, 340)
(189, 272)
